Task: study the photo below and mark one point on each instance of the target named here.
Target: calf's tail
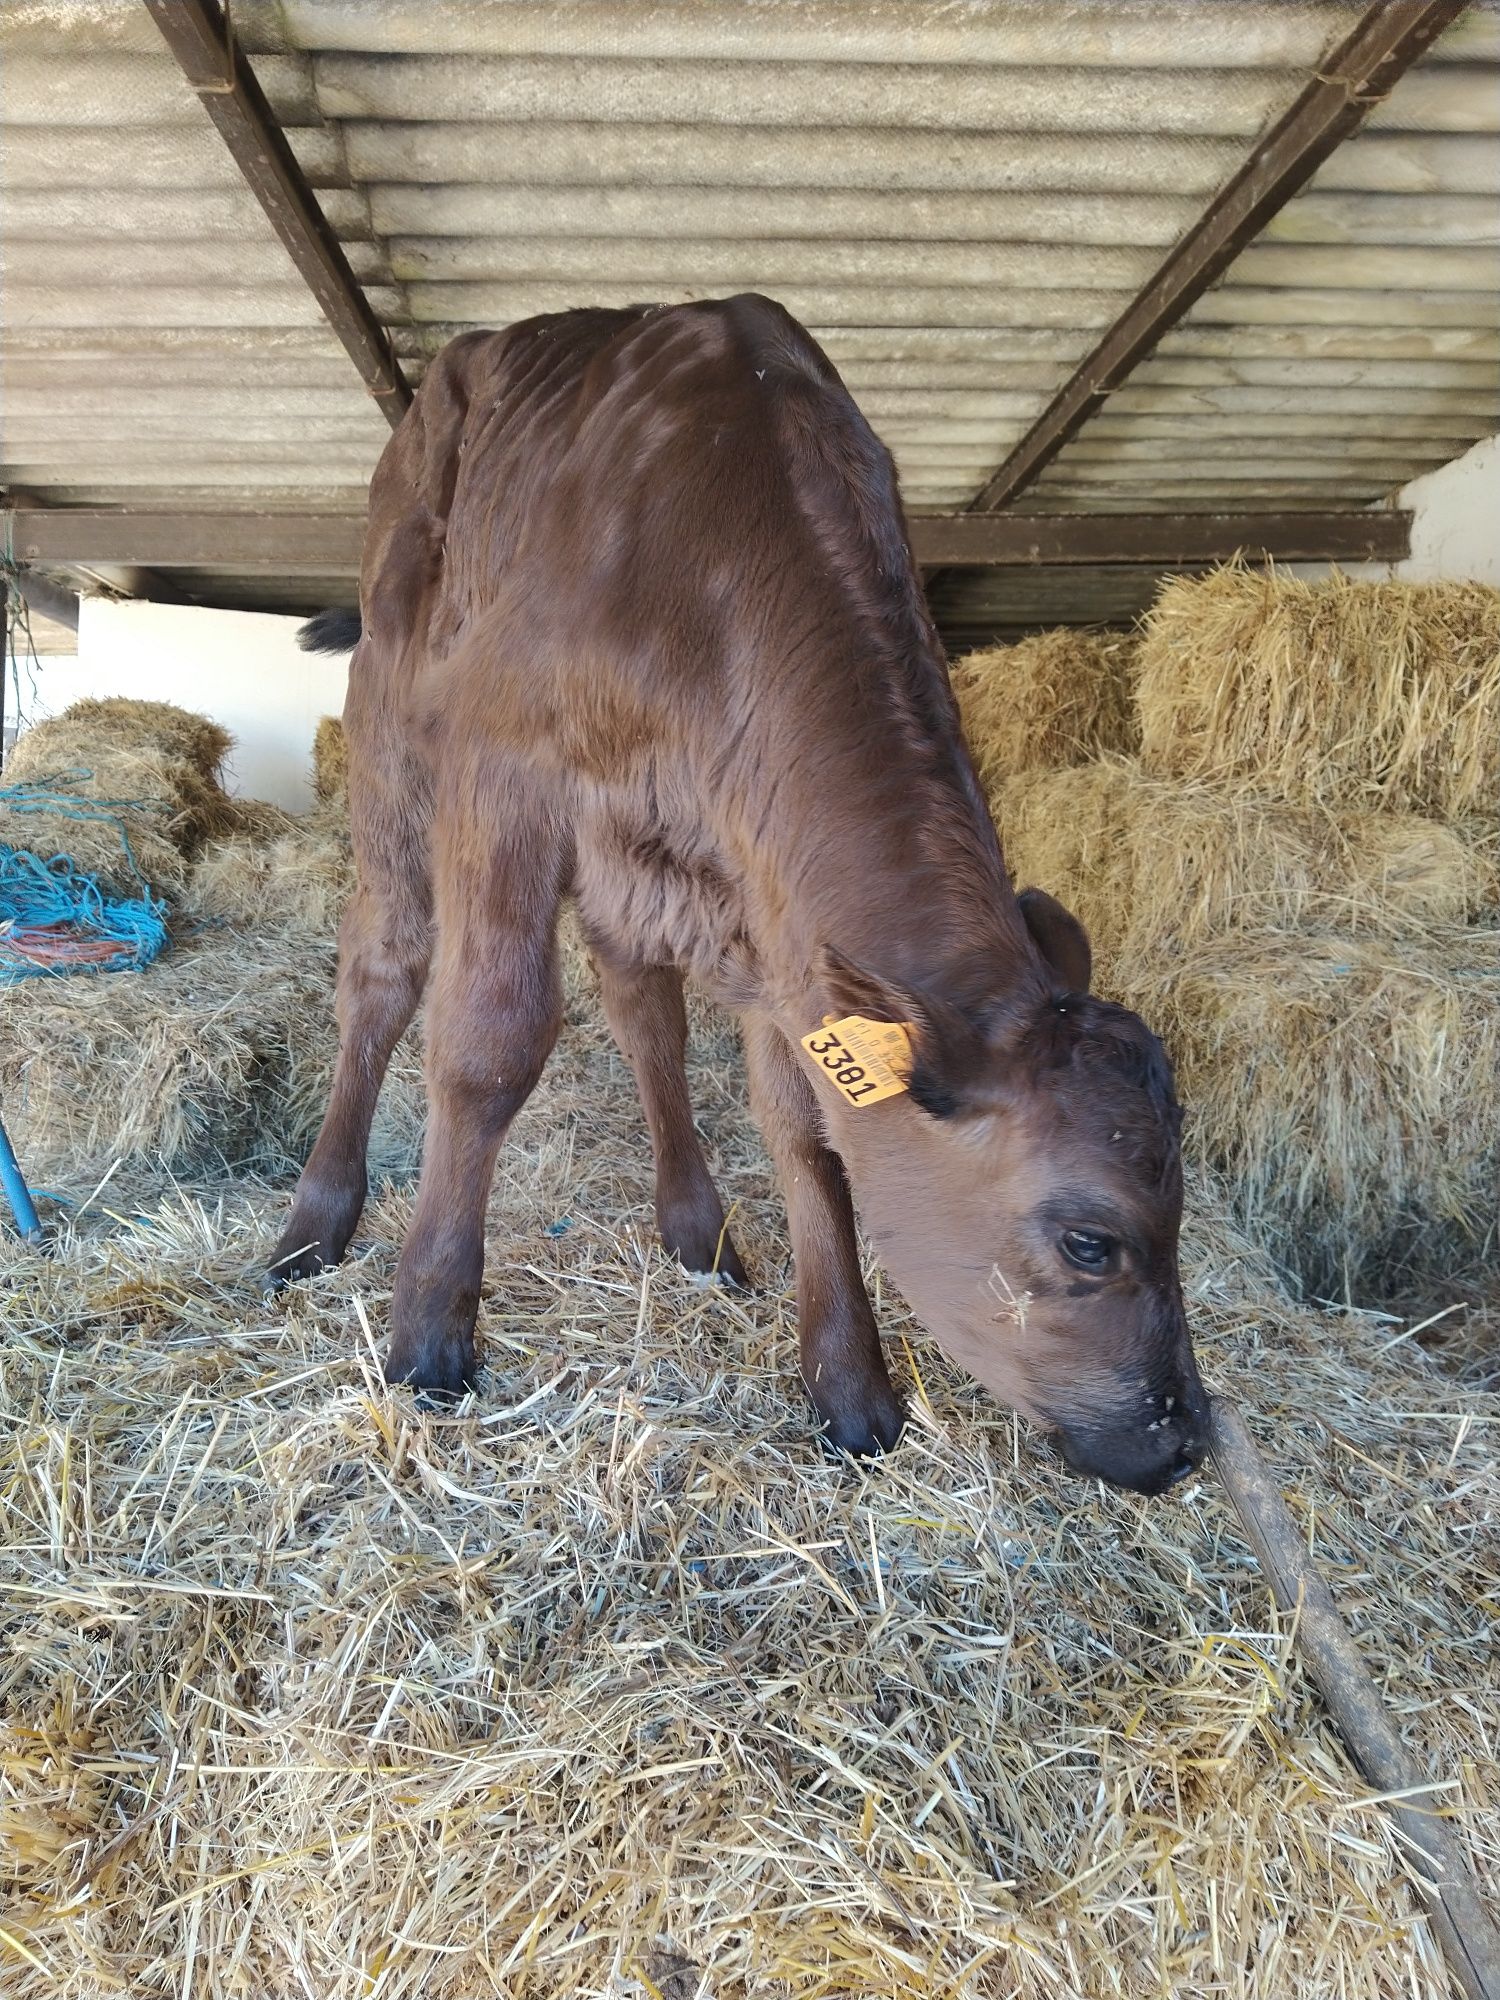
(330, 632)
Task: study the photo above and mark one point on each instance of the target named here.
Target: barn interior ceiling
(962, 200)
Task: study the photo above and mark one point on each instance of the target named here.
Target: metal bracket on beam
(1365, 68)
(206, 52)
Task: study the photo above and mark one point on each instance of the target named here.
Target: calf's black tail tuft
(330, 632)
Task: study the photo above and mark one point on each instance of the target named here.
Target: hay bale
(256, 819)
(301, 877)
(1153, 866)
(221, 1053)
(331, 765)
(1422, 870)
(1347, 1090)
(178, 733)
(1056, 698)
(189, 1062)
(612, 1679)
(1334, 1024)
(1067, 832)
(215, 1058)
(1338, 693)
(160, 762)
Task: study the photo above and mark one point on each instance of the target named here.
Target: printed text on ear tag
(863, 1060)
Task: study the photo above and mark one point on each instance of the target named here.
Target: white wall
(1455, 529)
(242, 668)
(1455, 532)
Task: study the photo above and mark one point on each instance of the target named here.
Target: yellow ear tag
(863, 1060)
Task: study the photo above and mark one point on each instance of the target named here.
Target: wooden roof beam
(1367, 65)
(203, 43)
(329, 544)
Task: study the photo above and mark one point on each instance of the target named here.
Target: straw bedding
(1336, 692)
(160, 762)
(610, 1685)
(1053, 699)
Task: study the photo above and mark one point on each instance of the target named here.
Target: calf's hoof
(315, 1239)
(725, 1269)
(295, 1258)
(704, 1250)
(440, 1365)
(437, 1377)
(866, 1432)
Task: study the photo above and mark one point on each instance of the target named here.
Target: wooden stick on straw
(1464, 1928)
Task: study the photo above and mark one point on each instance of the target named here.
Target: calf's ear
(853, 989)
(1059, 937)
(948, 1050)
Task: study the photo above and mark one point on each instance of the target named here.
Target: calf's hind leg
(647, 1017)
(492, 1017)
(842, 1364)
(384, 947)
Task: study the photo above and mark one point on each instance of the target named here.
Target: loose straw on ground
(1468, 1937)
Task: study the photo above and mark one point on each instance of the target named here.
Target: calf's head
(1026, 1194)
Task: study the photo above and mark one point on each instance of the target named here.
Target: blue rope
(35, 893)
(81, 806)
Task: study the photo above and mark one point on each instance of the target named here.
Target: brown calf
(641, 625)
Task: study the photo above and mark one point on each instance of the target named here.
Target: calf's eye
(1087, 1249)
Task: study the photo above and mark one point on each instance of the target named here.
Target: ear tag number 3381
(865, 1061)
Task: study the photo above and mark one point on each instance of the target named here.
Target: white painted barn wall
(1455, 529)
(1455, 533)
(242, 668)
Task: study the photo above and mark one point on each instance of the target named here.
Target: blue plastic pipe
(22, 1207)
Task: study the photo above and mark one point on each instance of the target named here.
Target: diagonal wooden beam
(203, 43)
(1366, 66)
(48, 599)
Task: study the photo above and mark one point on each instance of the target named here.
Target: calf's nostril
(1186, 1465)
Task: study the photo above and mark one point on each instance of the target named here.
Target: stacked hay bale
(293, 871)
(217, 1057)
(1295, 879)
(1054, 699)
(143, 768)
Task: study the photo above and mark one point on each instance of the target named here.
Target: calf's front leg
(839, 1343)
(492, 1019)
(644, 1006)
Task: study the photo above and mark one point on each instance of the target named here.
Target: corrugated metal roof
(158, 342)
(1350, 423)
(959, 196)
